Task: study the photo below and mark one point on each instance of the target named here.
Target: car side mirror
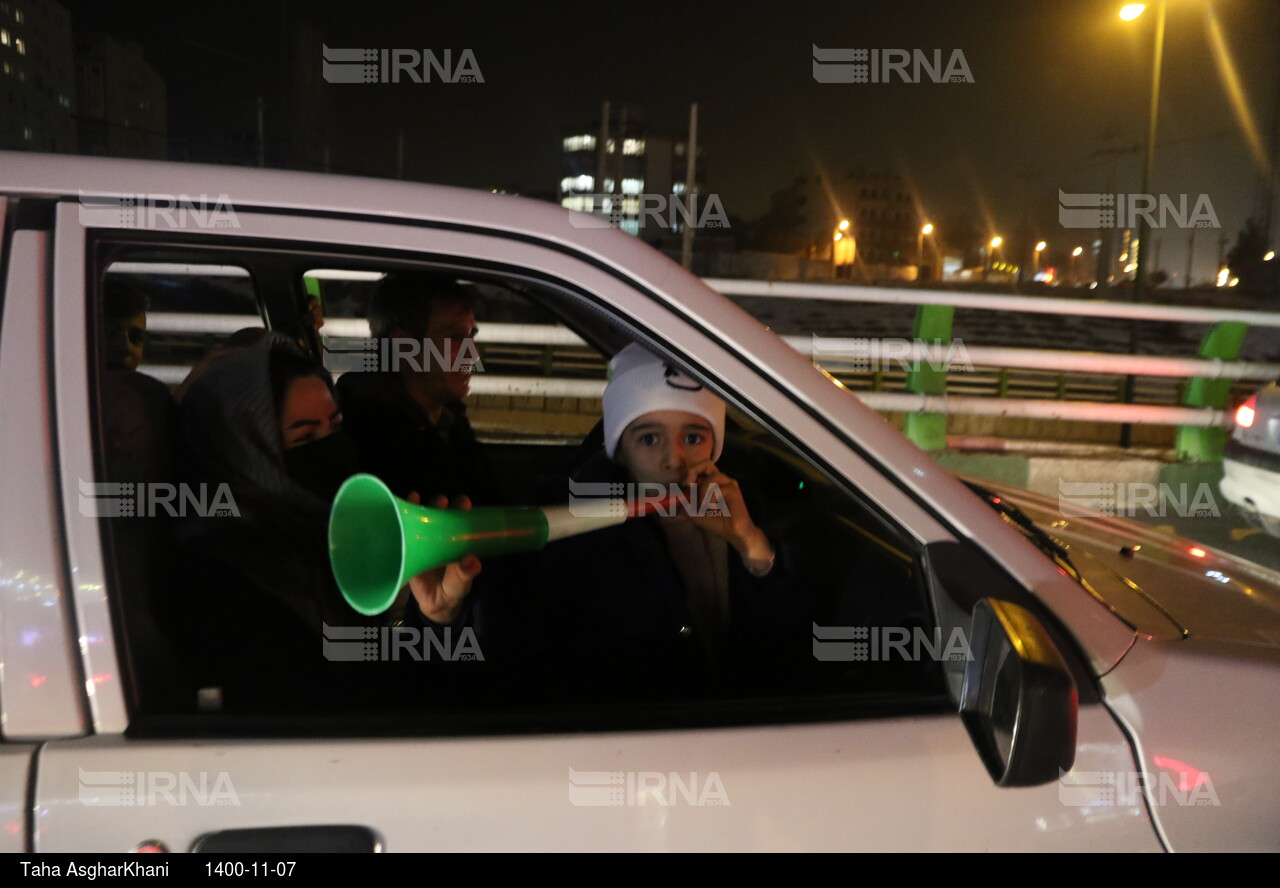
(1019, 702)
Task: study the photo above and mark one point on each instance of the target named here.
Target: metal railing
(985, 388)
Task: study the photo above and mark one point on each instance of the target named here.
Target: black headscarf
(259, 585)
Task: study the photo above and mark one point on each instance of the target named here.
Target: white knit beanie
(641, 383)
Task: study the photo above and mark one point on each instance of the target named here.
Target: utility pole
(601, 154)
(690, 188)
(1191, 253)
(262, 142)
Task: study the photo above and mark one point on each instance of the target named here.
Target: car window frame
(644, 316)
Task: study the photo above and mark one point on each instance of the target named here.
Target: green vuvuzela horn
(377, 541)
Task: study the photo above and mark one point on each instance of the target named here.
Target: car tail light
(1246, 412)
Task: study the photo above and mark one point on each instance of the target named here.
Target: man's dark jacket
(399, 443)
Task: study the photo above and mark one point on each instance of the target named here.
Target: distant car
(1251, 462)
(986, 673)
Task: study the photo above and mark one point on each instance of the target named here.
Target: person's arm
(722, 510)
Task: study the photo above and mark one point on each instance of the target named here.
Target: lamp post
(1139, 248)
(927, 229)
(1075, 254)
(991, 253)
(1036, 268)
(841, 242)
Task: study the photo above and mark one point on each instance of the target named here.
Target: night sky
(1059, 98)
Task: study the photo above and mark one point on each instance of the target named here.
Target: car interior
(860, 570)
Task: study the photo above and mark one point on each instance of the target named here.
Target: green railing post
(1197, 443)
(932, 325)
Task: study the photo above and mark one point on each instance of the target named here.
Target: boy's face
(662, 446)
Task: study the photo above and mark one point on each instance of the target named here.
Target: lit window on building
(580, 143)
(583, 203)
(631, 206)
(633, 146)
(64, 101)
(632, 186)
(26, 133)
(608, 186)
(677, 188)
(20, 45)
(609, 147)
(17, 16)
(577, 183)
(4, 37)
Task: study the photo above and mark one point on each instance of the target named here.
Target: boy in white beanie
(679, 602)
(663, 427)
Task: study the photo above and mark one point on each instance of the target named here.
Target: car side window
(848, 621)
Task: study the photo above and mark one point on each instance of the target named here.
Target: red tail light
(1246, 411)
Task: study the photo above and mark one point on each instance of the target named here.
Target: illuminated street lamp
(842, 247)
(927, 229)
(1039, 249)
(991, 252)
(1271, 254)
(1129, 13)
(1075, 254)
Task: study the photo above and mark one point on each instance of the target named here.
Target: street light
(1039, 248)
(991, 253)
(927, 229)
(842, 247)
(1139, 247)
(1075, 254)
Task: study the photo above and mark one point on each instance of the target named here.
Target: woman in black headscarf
(264, 433)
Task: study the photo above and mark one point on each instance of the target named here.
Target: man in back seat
(407, 418)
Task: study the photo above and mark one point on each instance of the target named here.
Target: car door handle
(290, 839)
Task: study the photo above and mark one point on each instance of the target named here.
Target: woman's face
(662, 446)
(309, 412)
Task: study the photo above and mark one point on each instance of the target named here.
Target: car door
(843, 773)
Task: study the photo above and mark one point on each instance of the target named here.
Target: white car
(977, 684)
(1251, 462)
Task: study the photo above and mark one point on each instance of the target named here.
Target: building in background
(121, 100)
(625, 168)
(864, 223)
(36, 77)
